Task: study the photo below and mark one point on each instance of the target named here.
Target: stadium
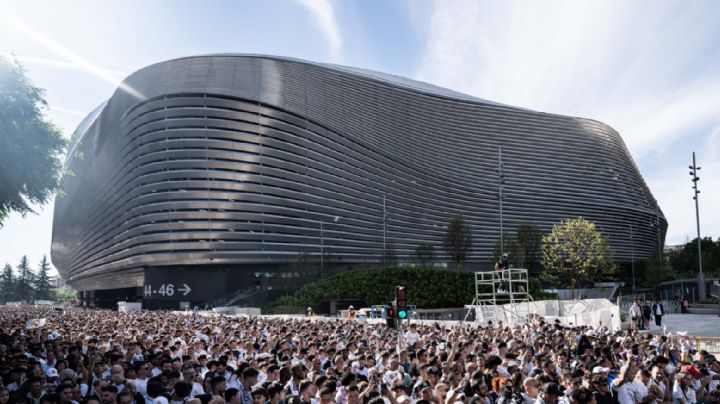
(214, 174)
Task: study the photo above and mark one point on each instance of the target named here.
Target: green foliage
(31, 147)
(7, 280)
(427, 288)
(25, 280)
(529, 241)
(425, 255)
(63, 296)
(537, 293)
(511, 249)
(457, 240)
(42, 285)
(684, 261)
(575, 251)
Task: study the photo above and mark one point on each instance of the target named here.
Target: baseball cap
(692, 370)
(423, 386)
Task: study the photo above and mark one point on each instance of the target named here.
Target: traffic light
(401, 302)
(390, 316)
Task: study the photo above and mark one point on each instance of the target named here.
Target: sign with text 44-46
(167, 290)
(184, 285)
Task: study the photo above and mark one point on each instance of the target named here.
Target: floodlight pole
(701, 277)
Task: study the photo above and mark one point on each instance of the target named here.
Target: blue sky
(650, 69)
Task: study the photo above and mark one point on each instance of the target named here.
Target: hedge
(427, 288)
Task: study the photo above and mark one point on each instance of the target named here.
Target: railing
(670, 306)
(710, 344)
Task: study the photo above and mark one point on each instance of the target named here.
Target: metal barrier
(710, 344)
(670, 306)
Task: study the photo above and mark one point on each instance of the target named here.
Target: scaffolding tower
(501, 296)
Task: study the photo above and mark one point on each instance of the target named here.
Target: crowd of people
(103, 357)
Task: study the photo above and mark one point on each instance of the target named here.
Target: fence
(670, 306)
(687, 287)
(710, 344)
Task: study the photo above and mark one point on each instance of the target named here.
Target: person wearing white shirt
(628, 389)
(189, 375)
(683, 392)
(412, 336)
(143, 371)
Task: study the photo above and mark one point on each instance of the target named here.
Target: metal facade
(239, 159)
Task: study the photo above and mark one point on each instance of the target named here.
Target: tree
(426, 287)
(529, 241)
(458, 240)
(511, 249)
(65, 295)
(7, 280)
(574, 250)
(389, 257)
(31, 147)
(425, 255)
(24, 282)
(684, 261)
(42, 285)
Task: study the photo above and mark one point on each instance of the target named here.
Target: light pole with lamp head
(501, 182)
(632, 257)
(695, 179)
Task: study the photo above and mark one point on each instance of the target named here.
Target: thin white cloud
(60, 64)
(67, 111)
(650, 70)
(673, 186)
(69, 55)
(324, 14)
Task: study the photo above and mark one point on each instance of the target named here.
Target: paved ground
(705, 325)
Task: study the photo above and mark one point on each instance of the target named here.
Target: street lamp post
(632, 257)
(660, 249)
(501, 181)
(695, 179)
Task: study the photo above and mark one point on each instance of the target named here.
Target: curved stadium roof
(237, 159)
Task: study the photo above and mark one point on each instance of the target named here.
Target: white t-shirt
(141, 386)
(661, 387)
(156, 400)
(411, 337)
(197, 390)
(631, 392)
(686, 397)
(713, 384)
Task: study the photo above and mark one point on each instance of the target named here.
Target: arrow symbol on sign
(185, 289)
